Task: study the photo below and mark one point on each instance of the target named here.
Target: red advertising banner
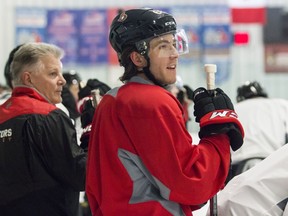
(248, 15)
(248, 11)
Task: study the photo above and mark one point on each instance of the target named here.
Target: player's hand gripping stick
(210, 70)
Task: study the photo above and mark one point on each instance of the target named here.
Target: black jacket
(42, 169)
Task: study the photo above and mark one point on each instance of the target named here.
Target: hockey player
(261, 190)
(141, 160)
(265, 121)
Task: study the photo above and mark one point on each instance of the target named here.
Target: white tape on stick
(210, 70)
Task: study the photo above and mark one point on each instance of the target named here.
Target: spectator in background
(188, 101)
(70, 99)
(7, 70)
(93, 84)
(184, 94)
(42, 167)
(70, 93)
(185, 97)
(265, 121)
(8, 77)
(84, 95)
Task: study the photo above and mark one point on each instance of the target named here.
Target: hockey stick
(210, 70)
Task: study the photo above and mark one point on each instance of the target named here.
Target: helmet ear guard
(142, 47)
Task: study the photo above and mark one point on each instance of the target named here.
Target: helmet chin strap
(150, 76)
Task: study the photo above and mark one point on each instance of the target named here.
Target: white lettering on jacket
(6, 133)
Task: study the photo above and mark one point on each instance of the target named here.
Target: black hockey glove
(215, 113)
(87, 112)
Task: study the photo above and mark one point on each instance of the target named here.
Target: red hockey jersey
(141, 159)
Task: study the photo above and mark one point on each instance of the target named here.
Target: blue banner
(93, 37)
(62, 30)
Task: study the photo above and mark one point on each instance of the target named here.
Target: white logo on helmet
(169, 23)
(123, 16)
(157, 11)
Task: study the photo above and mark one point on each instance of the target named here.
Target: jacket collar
(139, 79)
(30, 92)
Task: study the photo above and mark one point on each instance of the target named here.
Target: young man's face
(49, 81)
(164, 58)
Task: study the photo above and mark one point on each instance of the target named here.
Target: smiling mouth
(171, 67)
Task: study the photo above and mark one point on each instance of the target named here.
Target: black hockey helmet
(132, 26)
(71, 77)
(250, 90)
(91, 85)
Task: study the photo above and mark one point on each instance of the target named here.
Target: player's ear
(138, 59)
(26, 78)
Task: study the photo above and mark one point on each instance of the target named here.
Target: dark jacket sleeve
(54, 138)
